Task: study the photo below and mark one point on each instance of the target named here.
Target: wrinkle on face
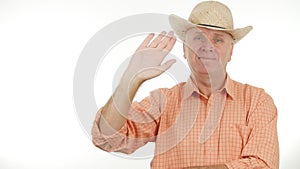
(207, 50)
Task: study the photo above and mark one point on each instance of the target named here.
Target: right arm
(114, 112)
(145, 64)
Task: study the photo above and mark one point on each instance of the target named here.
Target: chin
(200, 72)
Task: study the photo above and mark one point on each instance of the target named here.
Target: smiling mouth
(206, 58)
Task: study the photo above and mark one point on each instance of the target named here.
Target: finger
(166, 40)
(156, 41)
(146, 41)
(171, 44)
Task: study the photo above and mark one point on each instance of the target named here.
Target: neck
(209, 83)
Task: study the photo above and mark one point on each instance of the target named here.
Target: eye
(197, 38)
(218, 40)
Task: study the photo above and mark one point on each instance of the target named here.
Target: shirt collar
(229, 87)
(189, 88)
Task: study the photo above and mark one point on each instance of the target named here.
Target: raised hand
(146, 63)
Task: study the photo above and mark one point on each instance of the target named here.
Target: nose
(206, 47)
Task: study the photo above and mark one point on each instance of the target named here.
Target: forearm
(222, 166)
(114, 112)
(145, 64)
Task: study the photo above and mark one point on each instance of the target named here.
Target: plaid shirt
(245, 137)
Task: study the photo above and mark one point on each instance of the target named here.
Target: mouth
(206, 58)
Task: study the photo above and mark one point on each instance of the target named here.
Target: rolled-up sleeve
(139, 129)
(262, 149)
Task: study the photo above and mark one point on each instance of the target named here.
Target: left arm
(209, 167)
(262, 148)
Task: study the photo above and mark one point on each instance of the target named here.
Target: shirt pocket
(236, 138)
(244, 132)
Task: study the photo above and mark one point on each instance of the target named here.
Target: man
(210, 121)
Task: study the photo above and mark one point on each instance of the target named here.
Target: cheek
(225, 53)
(189, 53)
(228, 55)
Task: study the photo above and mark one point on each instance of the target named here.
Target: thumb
(167, 64)
(158, 70)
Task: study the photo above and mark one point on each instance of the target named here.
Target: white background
(40, 42)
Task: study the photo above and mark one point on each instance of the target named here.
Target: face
(207, 50)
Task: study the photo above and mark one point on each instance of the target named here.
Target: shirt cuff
(111, 142)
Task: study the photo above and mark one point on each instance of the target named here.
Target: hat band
(211, 26)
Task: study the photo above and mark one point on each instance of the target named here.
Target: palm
(146, 63)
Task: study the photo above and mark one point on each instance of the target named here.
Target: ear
(231, 51)
(184, 51)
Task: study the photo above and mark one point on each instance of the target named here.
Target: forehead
(208, 32)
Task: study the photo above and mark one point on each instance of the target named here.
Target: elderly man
(210, 121)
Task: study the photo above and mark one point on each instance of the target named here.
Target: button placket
(216, 104)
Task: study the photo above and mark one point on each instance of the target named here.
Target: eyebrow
(218, 34)
(199, 32)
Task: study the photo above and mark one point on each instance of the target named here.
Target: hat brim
(180, 27)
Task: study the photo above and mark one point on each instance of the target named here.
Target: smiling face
(207, 50)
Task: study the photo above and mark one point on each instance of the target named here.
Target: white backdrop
(40, 42)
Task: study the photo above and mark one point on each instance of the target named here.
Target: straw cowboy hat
(209, 14)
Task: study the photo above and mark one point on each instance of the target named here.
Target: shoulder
(257, 101)
(174, 90)
(250, 92)
(168, 94)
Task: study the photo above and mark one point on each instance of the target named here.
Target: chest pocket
(235, 138)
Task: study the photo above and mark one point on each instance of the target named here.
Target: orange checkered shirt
(246, 135)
